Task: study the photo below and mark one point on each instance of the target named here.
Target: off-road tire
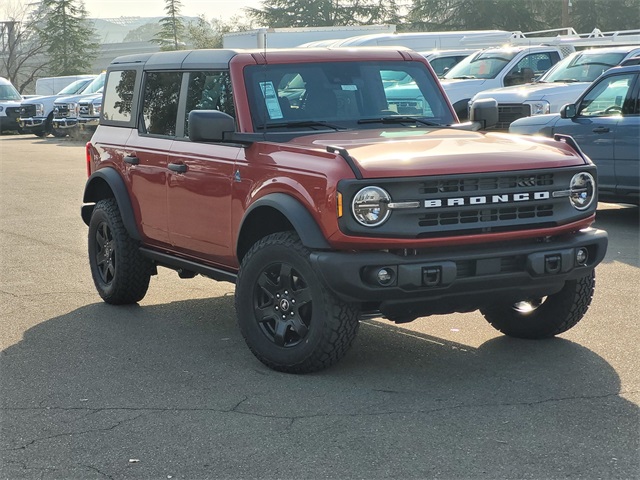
(120, 272)
(275, 279)
(555, 314)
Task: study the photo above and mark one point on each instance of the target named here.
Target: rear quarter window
(118, 96)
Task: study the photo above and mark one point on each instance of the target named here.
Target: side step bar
(187, 268)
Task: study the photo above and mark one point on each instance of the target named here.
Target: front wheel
(544, 317)
(120, 272)
(288, 318)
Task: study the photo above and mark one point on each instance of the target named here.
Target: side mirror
(210, 125)
(569, 111)
(484, 111)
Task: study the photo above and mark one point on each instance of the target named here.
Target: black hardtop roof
(220, 58)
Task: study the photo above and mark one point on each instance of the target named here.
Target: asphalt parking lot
(167, 389)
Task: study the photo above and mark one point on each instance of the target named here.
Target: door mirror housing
(569, 111)
(484, 111)
(210, 126)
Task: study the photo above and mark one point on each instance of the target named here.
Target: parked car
(443, 60)
(494, 68)
(66, 109)
(89, 109)
(562, 84)
(336, 208)
(605, 122)
(10, 100)
(36, 114)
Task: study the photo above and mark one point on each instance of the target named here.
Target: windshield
(486, 64)
(582, 67)
(339, 95)
(75, 87)
(9, 92)
(96, 85)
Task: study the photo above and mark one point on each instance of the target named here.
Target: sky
(223, 9)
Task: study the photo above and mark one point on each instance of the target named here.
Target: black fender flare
(94, 191)
(296, 213)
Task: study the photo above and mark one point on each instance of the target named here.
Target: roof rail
(567, 36)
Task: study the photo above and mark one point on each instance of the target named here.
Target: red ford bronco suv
(289, 173)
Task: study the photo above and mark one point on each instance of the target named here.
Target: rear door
(148, 151)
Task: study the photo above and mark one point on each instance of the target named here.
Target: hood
(419, 152)
(42, 99)
(71, 98)
(92, 98)
(463, 89)
(569, 92)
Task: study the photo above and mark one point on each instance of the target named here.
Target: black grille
(471, 204)
(485, 215)
(13, 112)
(28, 111)
(486, 184)
(508, 112)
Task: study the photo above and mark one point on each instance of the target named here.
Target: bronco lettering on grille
(486, 199)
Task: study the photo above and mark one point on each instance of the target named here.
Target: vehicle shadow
(622, 222)
(165, 390)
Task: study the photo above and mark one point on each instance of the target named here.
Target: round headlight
(369, 206)
(582, 190)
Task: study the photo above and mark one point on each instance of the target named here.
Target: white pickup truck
(563, 84)
(494, 68)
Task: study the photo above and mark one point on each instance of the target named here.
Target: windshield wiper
(399, 119)
(566, 80)
(302, 123)
(463, 77)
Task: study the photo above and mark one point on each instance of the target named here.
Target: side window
(607, 97)
(160, 103)
(209, 91)
(118, 96)
(528, 68)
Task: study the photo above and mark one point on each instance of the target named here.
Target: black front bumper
(460, 279)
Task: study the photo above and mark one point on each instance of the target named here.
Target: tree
(323, 13)
(204, 34)
(442, 15)
(22, 58)
(607, 15)
(170, 36)
(70, 38)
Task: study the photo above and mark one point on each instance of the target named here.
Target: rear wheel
(289, 319)
(120, 272)
(544, 317)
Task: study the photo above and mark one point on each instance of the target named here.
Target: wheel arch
(274, 213)
(107, 183)
(461, 108)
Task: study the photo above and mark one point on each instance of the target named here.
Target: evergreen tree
(70, 38)
(170, 36)
(322, 13)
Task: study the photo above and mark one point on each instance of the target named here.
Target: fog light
(385, 277)
(582, 255)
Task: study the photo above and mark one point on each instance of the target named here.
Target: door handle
(131, 160)
(601, 130)
(177, 167)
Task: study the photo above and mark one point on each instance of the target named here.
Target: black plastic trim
(302, 221)
(120, 193)
(185, 267)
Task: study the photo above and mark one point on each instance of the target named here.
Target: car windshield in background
(487, 64)
(8, 92)
(582, 67)
(95, 85)
(75, 87)
(330, 95)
